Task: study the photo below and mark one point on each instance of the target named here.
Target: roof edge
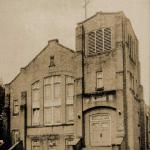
(49, 42)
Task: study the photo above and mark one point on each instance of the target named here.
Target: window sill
(54, 125)
(99, 89)
(15, 114)
(102, 53)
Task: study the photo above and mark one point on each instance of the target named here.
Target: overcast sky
(27, 25)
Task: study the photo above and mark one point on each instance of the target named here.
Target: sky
(27, 25)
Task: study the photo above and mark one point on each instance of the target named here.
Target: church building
(90, 98)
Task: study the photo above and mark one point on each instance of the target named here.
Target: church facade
(87, 99)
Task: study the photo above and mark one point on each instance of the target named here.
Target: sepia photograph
(74, 74)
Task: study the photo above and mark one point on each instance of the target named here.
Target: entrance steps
(97, 148)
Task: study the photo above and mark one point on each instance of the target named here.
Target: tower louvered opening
(99, 41)
(91, 42)
(107, 39)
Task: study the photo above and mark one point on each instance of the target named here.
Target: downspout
(83, 83)
(25, 125)
(124, 86)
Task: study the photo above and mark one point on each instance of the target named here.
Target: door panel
(100, 130)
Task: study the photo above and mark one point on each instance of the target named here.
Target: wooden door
(100, 130)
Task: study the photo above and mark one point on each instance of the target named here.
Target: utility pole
(86, 2)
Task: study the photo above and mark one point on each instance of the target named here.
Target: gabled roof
(49, 42)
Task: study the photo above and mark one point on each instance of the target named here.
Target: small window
(99, 80)
(52, 63)
(16, 107)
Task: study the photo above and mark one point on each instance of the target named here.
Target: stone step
(97, 148)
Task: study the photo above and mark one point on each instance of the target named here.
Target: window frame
(102, 78)
(69, 103)
(53, 103)
(14, 107)
(37, 107)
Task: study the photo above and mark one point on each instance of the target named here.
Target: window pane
(57, 114)
(47, 95)
(70, 90)
(35, 99)
(48, 115)
(70, 114)
(35, 85)
(99, 74)
(16, 107)
(47, 80)
(35, 95)
(99, 80)
(56, 91)
(35, 116)
(99, 83)
(57, 79)
(69, 93)
(69, 80)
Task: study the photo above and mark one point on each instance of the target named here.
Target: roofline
(50, 41)
(103, 13)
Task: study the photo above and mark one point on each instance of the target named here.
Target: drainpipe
(124, 86)
(83, 82)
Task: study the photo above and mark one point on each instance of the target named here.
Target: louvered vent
(91, 43)
(99, 41)
(107, 39)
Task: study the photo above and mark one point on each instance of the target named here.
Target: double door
(100, 130)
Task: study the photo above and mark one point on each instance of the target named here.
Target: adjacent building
(84, 99)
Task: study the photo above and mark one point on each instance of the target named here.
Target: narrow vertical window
(69, 98)
(35, 104)
(99, 80)
(15, 107)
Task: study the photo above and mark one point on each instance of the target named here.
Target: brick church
(90, 98)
